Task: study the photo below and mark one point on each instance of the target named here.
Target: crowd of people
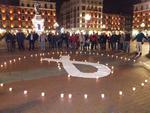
(114, 42)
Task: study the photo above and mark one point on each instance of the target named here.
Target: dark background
(113, 6)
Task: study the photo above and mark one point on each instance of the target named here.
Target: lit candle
(142, 84)
(85, 96)
(70, 96)
(10, 89)
(2, 66)
(43, 94)
(10, 61)
(146, 81)
(19, 58)
(102, 96)
(120, 93)
(1, 84)
(14, 60)
(133, 88)
(69, 76)
(5, 63)
(25, 92)
(62, 95)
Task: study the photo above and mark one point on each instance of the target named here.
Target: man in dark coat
(32, 37)
(113, 41)
(20, 40)
(139, 41)
(9, 40)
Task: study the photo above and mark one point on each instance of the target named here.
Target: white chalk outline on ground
(102, 70)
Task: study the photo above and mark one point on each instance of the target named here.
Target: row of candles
(54, 53)
(62, 95)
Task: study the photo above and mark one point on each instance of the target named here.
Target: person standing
(32, 37)
(9, 40)
(20, 40)
(113, 41)
(14, 42)
(139, 41)
(127, 42)
(93, 39)
(50, 40)
(42, 40)
(121, 42)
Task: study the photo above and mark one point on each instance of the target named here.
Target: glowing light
(11, 18)
(69, 76)
(4, 18)
(102, 96)
(2, 66)
(19, 58)
(70, 96)
(142, 84)
(87, 17)
(25, 92)
(10, 61)
(133, 88)
(85, 96)
(5, 63)
(43, 94)
(1, 84)
(62, 95)
(146, 81)
(10, 89)
(56, 25)
(120, 93)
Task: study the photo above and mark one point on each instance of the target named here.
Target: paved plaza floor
(31, 85)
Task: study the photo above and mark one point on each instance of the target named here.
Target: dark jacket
(8, 37)
(35, 37)
(20, 36)
(139, 37)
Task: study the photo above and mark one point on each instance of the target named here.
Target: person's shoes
(140, 54)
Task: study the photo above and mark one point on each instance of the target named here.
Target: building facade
(113, 22)
(82, 15)
(14, 17)
(141, 17)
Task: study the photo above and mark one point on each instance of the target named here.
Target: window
(22, 4)
(45, 5)
(28, 5)
(51, 6)
(83, 7)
